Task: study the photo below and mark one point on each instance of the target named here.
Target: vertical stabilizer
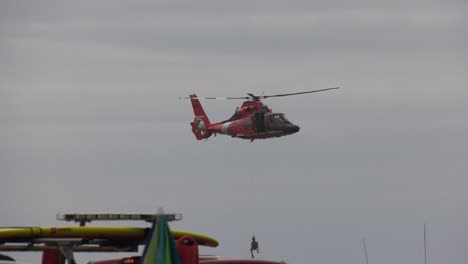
(197, 107)
(201, 123)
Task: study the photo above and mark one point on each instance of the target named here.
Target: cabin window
(277, 119)
(248, 122)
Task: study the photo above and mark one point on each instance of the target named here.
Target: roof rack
(76, 248)
(84, 218)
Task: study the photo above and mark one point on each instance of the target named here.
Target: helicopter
(253, 120)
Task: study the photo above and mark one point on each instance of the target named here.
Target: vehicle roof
(206, 259)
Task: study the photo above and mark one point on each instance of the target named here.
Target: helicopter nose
(291, 129)
(295, 129)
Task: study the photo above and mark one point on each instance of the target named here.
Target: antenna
(425, 247)
(365, 249)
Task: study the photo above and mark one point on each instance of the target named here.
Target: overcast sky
(91, 122)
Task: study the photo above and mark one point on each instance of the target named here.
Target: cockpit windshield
(278, 118)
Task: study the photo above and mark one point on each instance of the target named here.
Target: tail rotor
(201, 123)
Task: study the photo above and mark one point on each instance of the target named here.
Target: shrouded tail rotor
(201, 123)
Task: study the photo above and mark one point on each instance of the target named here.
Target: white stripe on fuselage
(224, 128)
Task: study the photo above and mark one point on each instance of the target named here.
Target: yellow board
(135, 234)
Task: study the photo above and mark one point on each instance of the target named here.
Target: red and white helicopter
(253, 120)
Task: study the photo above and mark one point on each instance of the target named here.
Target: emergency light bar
(83, 218)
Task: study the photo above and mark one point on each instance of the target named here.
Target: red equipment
(253, 120)
(52, 257)
(187, 247)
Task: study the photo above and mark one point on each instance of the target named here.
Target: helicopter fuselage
(253, 120)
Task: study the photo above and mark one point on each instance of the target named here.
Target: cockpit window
(278, 119)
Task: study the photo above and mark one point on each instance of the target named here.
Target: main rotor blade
(218, 98)
(257, 97)
(226, 98)
(288, 94)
